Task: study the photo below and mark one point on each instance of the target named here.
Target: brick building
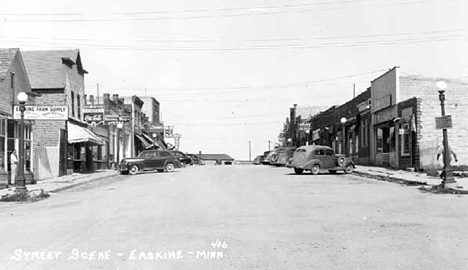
(58, 78)
(13, 79)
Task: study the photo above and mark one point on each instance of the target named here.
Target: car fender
(139, 164)
(309, 164)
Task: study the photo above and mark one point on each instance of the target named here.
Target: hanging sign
(34, 112)
(444, 122)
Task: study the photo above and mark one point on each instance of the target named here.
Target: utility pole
(268, 145)
(250, 157)
(354, 90)
(97, 93)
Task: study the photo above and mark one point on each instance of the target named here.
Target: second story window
(73, 103)
(12, 79)
(78, 105)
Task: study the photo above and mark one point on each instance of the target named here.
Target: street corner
(13, 195)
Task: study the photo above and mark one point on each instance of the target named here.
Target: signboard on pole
(93, 117)
(41, 112)
(304, 126)
(443, 122)
(168, 132)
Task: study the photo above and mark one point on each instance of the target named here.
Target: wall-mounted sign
(443, 122)
(383, 102)
(304, 126)
(93, 117)
(34, 112)
(113, 119)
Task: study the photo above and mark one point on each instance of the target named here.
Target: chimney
(106, 97)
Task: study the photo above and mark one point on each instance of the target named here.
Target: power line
(234, 12)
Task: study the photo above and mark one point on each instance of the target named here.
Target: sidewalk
(64, 182)
(407, 177)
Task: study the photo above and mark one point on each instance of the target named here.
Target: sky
(226, 72)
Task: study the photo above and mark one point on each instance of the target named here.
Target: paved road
(256, 217)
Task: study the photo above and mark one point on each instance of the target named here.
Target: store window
(405, 139)
(383, 140)
(3, 154)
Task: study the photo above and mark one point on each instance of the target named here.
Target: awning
(144, 142)
(77, 134)
(148, 138)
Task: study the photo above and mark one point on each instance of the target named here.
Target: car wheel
(160, 170)
(332, 171)
(315, 169)
(183, 164)
(349, 168)
(134, 170)
(298, 171)
(169, 167)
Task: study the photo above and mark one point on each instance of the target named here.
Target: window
(319, 152)
(405, 139)
(164, 154)
(78, 102)
(329, 152)
(363, 133)
(12, 80)
(384, 139)
(73, 103)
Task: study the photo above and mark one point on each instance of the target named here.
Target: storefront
(83, 147)
(9, 140)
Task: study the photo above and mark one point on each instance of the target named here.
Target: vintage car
(257, 160)
(317, 157)
(284, 154)
(266, 157)
(184, 159)
(149, 160)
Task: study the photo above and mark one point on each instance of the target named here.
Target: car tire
(349, 169)
(134, 169)
(298, 171)
(183, 164)
(315, 169)
(169, 167)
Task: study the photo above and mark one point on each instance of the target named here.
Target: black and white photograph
(234, 134)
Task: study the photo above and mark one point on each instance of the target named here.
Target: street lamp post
(447, 172)
(343, 122)
(21, 182)
(307, 136)
(119, 127)
(269, 145)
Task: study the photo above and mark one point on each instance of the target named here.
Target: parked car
(266, 157)
(149, 160)
(317, 157)
(273, 157)
(195, 160)
(258, 160)
(183, 158)
(284, 154)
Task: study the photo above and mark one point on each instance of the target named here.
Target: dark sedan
(182, 158)
(150, 160)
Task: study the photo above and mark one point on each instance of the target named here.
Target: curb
(80, 183)
(391, 179)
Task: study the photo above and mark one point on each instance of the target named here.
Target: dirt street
(236, 217)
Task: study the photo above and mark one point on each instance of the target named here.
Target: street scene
(245, 134)
(237, 217)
